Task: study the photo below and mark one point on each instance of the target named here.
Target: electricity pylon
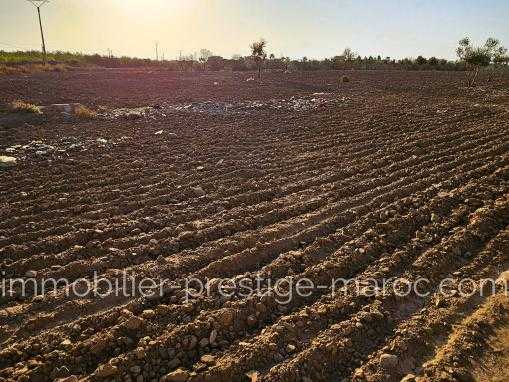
(38, 4)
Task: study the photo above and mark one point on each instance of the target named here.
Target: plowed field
(391, 175)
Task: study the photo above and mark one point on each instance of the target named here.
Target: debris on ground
(60, 148)
(294, 103)
(6, 161)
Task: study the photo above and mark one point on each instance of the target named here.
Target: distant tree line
(470, 58)
(236, 63)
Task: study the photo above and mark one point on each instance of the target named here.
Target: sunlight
(151, 7)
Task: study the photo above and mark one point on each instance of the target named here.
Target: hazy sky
(297, 28)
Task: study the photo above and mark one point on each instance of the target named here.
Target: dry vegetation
(31, 68)
(84, 112)
(19, 106)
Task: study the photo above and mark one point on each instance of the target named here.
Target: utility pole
(38, 4)
(157, 52)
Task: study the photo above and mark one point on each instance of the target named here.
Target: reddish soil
(407, 177)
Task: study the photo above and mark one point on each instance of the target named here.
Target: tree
(478, 57)
(500, 56)
(421, 60)
(286, 62)
(349, 54)
(433, 61)
(205, 54)
(259, 54)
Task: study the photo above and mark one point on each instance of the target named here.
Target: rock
(503, 279)
(140, 353)
(68, 108)
(106, 370)
(173, 135)
(71, 378)
(225, 318)
(252, 375)
(101, 140)
(213, 336)
(408, 378)
(358, 373)
(200, 168)
(290, 348)
(161, 259)
(435, 218)
(148, 314)
(251, 320)
(179, 375)
(6, 162)
(134, 322)
(66, 343)
(159, 132)
(388, 361)
(198, 191)
(440, 302)
(31, 274)
(208, 359)
(135, 370)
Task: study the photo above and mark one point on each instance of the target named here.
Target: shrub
(84, 112)
(9, 70)
(24, 107)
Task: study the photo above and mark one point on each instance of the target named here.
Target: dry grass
(84, 112)
(24, 107)
(494, 365)
(478, 344)
(32, 68)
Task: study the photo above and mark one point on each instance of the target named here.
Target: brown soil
(405, 176)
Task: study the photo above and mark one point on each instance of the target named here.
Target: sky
(295, 28)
